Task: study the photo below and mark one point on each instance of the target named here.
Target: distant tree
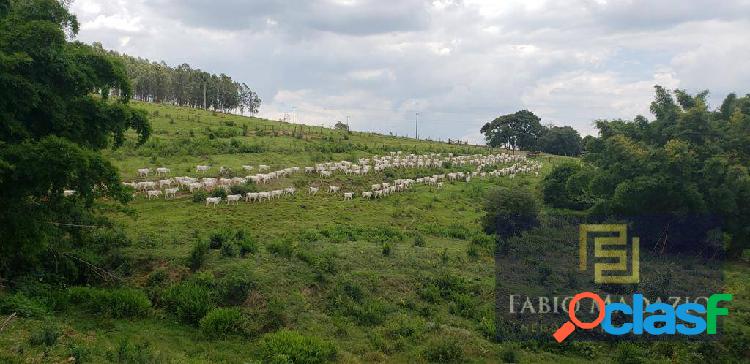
(341, 126)
(519, 130)
(561, 140)
(56, 115)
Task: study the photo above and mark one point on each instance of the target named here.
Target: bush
(189, 301)
(22, 305)
(419, 240)
(444, 350)
(510, 212)
(283, 248)
(218, 238)
(229, 250)
(386, 249)
(127, 352)
(221, 322)
(199, 196)
(234, 287)
(243, 189)
(198, 256)
(219, 192)
(117, 303)
(247, 246)
(509, 355)
(47, 336)
(291, 347)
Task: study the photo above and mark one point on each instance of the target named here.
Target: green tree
(519, 130)
(56, 114)
(561, 140)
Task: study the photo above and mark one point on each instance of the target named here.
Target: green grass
(336, 246)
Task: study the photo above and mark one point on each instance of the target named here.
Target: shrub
(117, 303)
(444, 350)
(509, 212)
(247, 246)
(462, 305)
(47, 336)
(472, 252)
(221, 322)
(229, 250)
(291, 347)
(198, 256)
(127, 352)
(243, 189)
(219, 192)
(218, 238)
(199, 196)
(22, 305)
(189, 301)
(234, 287)
(283, 248)
(419, 240)
(386, 249)
(509, 355)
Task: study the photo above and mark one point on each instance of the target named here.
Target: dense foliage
(523, 130)
(56, 114)
(185, 86)
(510, 212)
(688, 166)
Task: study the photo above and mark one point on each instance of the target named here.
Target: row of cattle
(384, 189)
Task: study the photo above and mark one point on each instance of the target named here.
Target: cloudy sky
(459, 63)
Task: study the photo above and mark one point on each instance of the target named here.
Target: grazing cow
(195, 186)
(247, 168)
(440, 185)
(290, 190)
(263, 167)
(276, 193)
(68, 193)
(170, 192)
(202, 169)
(348, 195)
(251, 196)
(333, 189)
(367, 195)
(309, 169)
(162, 171)
(143, 172)
(233, 198)
(313, 190)
(213, 200)
(264, 195)
(375, 187)
(165, 182)
(153, 193)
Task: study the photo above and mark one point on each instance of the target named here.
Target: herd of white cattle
(170, 187)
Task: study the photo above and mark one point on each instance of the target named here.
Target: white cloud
(459, 63)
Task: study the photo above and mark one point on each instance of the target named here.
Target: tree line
(682, 178)
(523, 130)
(185, 86)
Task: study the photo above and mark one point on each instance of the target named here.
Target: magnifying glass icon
(567, 328)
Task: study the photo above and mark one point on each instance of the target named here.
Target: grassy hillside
(407, 278)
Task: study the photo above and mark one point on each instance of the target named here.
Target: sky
(458, 63)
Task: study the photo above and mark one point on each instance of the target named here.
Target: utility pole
(416, 126)
(204, 96)
(347, 122)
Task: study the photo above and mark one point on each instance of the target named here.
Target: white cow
(333, 189)
(165, 182)
(263, 167)
(162, 171)
(68, 193)
(143, 172)
(202, 169)
(367, 195)
(313, 190)
(153, 193)
(348, 195)
(251, 196)
(290, 190)
(233, 198)
(264, 195)
(213, 200)
(170, 192)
